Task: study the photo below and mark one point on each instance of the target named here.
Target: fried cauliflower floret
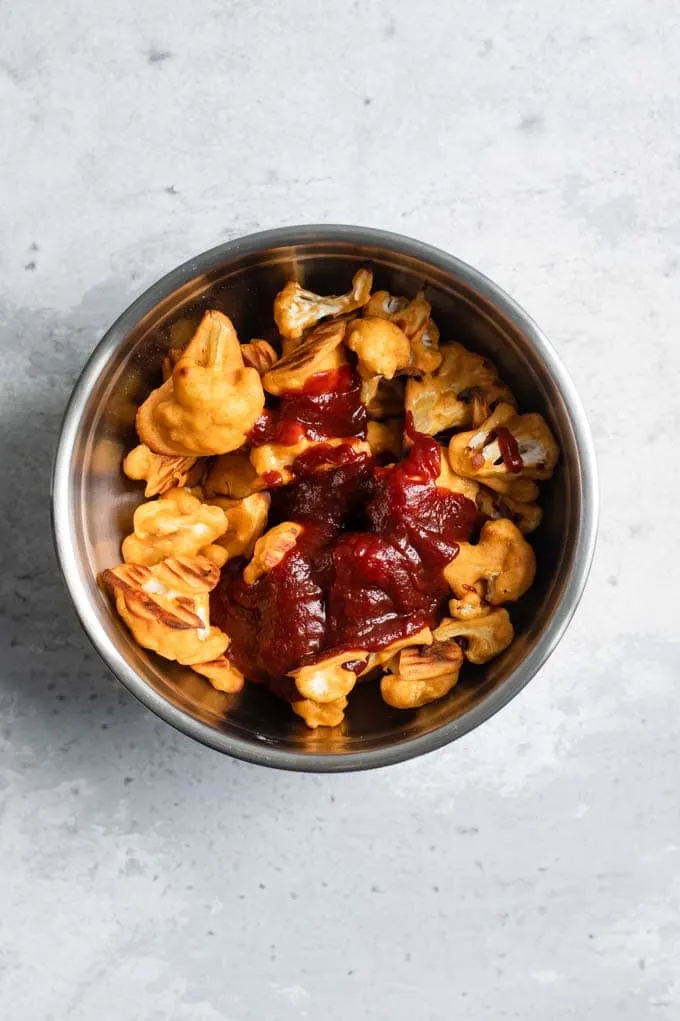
(177, 524)
(376, 659)
(415, 320)
(478, 453)
(222, 674)
(527, 516)
(382, 349)
(321, 351)
(259, 354)
(161, 471)
(166, 607)
(481, 637)
(210, 402)
(320, 714)
(296, 309)
(278, 459)
(502, 558)
(233, 475)
(447, 479)
(470, 605)
(459, 393)
(422, 675)
(385, 437)
(270, 549)
(330, 679)
(246, 521)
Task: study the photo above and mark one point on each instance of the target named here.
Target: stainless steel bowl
(93, 502)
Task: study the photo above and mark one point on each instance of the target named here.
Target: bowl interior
(101, 500)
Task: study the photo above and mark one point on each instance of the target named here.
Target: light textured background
(532, 870)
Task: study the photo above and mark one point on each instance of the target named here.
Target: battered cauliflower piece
(502, 558)
(177, 524)
(275, 461)
(471, 604)
(161, 471)
(246, 521)
(296, 309)
(384, 656)
(321, 351)
(422, 675)
(414, 318)
(270, 549)
(330, 679)
(222, 674)
(527, 516)
(447, 479)
(259, 354)
(385, 437)
(382, 349)
(479, 454)
(482, 637)
(167, 609)
(211, 401)
(320, 714)
(233, 475)
(459, 393)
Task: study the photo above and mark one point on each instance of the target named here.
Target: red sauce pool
(366, 571)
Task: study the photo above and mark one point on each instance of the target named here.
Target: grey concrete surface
(530, 871)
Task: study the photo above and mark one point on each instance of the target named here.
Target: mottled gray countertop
(531, 870)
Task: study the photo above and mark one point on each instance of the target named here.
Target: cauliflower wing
(233, 475)
(376, 659)
(482, 637)
(211, 401)
(415, 320)
(296, 309)
(330, 679)
(321, 351)
(259, 354)
(167, 609)
(471, 604)
(381, 347)
(459, 393)
(161, 471)
(527, 516)
(422, 675)
(320, 714)
(177, 524)
(222, 674)
(246, 521)
(502, 558)
(506, 452)
(448, 479)
(270, 549)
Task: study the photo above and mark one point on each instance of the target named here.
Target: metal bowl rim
(232, 744)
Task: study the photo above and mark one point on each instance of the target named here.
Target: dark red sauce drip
(329, 406)
(366, 571)
(512, 459)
